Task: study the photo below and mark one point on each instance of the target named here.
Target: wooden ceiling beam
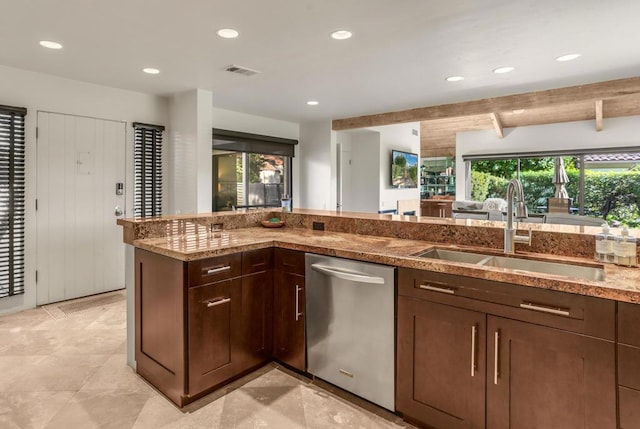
(594, 91)
(495, 119)
(599, 114)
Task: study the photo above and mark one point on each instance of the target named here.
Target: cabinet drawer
(629, 366)
(628, 322)
(214, 269)
(256, 261)
(291, 261)
(629, 408)
(571, 312)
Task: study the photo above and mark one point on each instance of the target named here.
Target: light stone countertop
(621, 284)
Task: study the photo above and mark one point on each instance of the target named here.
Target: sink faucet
(510, 235)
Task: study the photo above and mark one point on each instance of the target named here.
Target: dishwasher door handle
(346, 274)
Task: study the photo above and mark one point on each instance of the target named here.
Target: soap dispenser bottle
(604, 245)
(624, 249)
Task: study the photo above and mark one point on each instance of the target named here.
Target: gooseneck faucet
(510, 235)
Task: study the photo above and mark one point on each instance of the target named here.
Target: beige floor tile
(15, 368)
(105, 409)
(112, 318)
(158, 412)
(263, 407)
(91, 341)
(29, 319)
(56, 373)
(29, 342)
(115, 374)
(30, 410)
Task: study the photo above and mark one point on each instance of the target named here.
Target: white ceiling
(398, 58)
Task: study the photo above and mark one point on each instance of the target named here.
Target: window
(147, 170)
(250, 170)
(12, 181)
(599, 183)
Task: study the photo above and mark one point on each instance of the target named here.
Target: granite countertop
(621, 284)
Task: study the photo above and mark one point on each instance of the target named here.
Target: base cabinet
(289, 345)
(534, 376)
(441, 364)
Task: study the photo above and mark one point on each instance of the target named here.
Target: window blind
(147, 170)
(12, 204)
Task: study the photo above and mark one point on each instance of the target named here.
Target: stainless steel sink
(555, 268)
(453, 256)
(519, 264)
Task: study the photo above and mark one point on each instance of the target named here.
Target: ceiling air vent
(241, 70)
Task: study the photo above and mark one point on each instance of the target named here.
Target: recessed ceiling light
(312, 103)
(150, 70)
(517, 111)
(454, 78)
(341, 34)
(568, 57)
(51, 45)
(501, 70)
(228, 33)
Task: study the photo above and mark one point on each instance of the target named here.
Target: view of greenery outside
(618, 191)
(404, 175)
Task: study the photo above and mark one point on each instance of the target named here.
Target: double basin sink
(592, 273)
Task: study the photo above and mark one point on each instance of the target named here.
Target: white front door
(79, 246)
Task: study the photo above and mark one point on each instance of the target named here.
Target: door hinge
(37, 133)
(36, 276)
(36, 204)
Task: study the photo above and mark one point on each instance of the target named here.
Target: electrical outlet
(318, 226)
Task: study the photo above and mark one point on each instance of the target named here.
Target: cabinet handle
(298, 314)
(217, 270)
(544, 309)
(474, 333)
(438, 289)
(216, 302)
(496, 359)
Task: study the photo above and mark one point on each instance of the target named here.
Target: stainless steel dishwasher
(350, 324)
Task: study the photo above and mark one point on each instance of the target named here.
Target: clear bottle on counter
(604, 245)
(286, 203)
(624, 249)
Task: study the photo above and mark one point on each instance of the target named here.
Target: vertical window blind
(148, 170)
(12, 204)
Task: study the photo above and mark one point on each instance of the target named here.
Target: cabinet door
(541, 377)
(257, 305)
(215, 334)
(440, 364)
(288, 319)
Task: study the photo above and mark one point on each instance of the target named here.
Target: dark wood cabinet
(542, 370)
(288, 309)
(540, 377)
(436, 208)
(441, 364)
(629, 365)
(214, 334)
(257, 318)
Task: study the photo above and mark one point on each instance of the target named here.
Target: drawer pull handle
(438, 289)
(496, 357)
(543, 309)
(210, 271)
(298, 313)
(216, 302)
(474, 333)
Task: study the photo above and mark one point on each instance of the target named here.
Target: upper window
(147, 170)
(12, 210)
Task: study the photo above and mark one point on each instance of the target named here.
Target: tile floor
(70, 372)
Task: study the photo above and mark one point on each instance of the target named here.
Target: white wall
(190, 169)
(237, 121)
(37, 91)
(398, 137)
(317, 167)
(364, 172)
(617, 132)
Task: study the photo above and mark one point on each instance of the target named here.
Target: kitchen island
(577, 309)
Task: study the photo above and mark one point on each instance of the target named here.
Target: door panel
(437, 346)
(548, 378)
(79, 248)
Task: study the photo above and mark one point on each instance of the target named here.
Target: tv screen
(404, 169)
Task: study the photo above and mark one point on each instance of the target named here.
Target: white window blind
(148, 170)
(12, 181)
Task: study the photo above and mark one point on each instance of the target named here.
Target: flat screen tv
(404, 169)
